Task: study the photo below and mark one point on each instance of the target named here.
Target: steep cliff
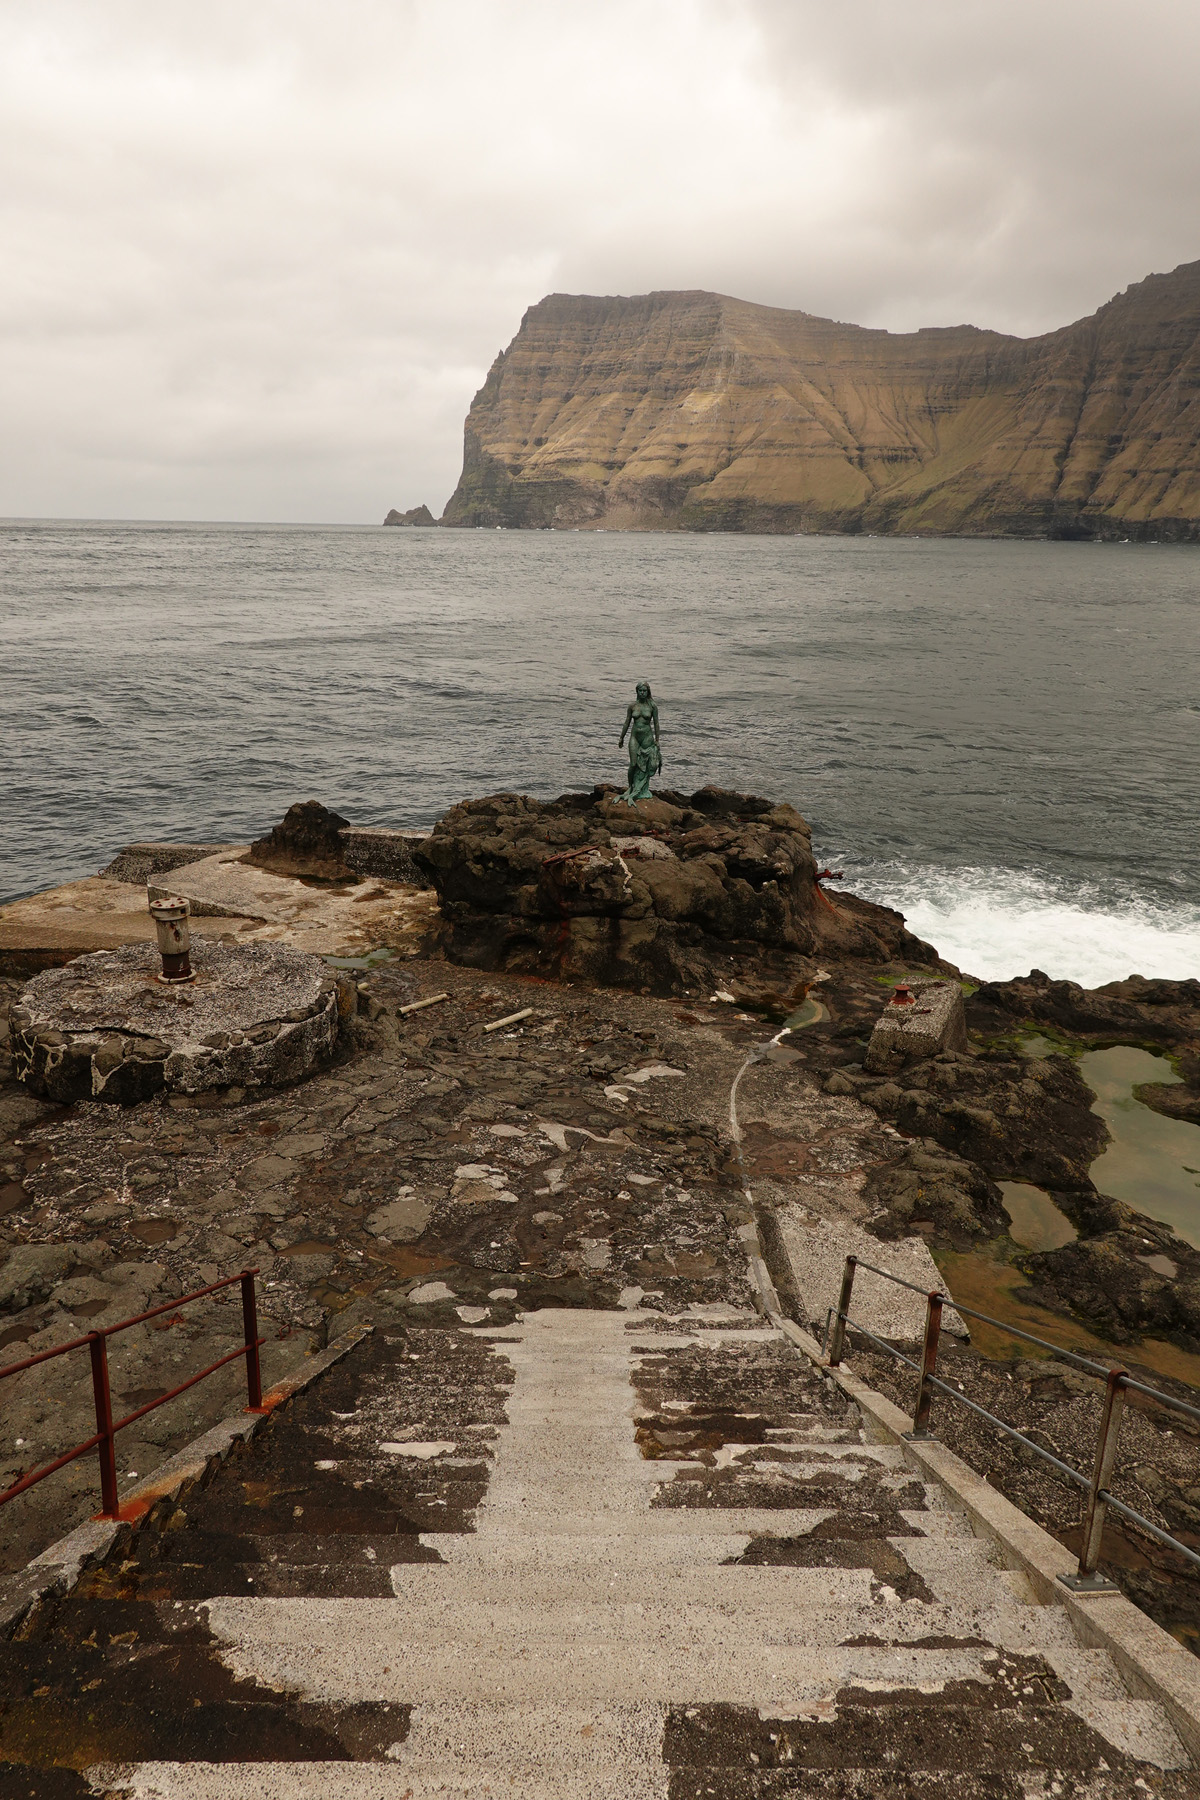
(694, 411)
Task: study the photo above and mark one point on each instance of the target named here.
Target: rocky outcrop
(992, 1113)
(416, 515)
(677, 894)
(928, 1189)
(1109, 1280)
(307, 843)
(1159, 1014)
(693, 410)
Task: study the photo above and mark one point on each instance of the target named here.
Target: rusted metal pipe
(250, 1325)
(933, 1329)
(102, 1396)
(838, 1341)
(174, 937)
(1085, 1579)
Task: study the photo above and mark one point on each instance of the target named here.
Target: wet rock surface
(673, 895)
(1162, 1015)
(992, 1113)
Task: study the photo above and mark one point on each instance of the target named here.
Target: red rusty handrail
(106, 1429)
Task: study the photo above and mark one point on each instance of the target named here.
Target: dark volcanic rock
(1019, 1119)
(674, 894)
(1160, 1015)
(927, 1187)
(1109, 1282)
(1133, 1011)
(416, 515)
(306, 843)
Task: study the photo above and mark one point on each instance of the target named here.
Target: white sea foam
(997, 923)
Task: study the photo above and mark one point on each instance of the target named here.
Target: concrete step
(374, 1781)
(797, 1616)
(350, 1652)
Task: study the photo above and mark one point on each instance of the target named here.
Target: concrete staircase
(689, 1575)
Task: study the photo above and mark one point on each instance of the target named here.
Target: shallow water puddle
(994, 1287)
(1152, 1163)
(1036, 1222)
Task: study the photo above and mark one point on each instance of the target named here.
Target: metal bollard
(174, 938)
(838, 1341)
(933, 1329)
(1085, 1579)
(101, 1394)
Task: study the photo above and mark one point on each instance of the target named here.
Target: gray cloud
(259, 258)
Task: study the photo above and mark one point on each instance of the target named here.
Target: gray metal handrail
(1117, 1382)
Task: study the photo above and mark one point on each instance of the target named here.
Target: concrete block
(908, 1032)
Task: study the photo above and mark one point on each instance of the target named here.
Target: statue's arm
(625, 726)
(654, 716)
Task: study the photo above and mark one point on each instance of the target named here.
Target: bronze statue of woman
(645, 755)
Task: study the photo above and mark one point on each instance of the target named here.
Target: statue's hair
(646, 685)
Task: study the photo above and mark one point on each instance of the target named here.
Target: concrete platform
(230, 901)
(106, 1028)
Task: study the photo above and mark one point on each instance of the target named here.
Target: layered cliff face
(690, 410)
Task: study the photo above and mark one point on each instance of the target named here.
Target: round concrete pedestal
(106, 1028)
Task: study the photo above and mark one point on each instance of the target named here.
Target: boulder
(676, 894)
(33, 1271)
(371, 851)
(306, 843)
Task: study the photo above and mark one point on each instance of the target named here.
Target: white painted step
(615, 1657)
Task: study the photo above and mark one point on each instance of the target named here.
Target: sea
(1001, 739)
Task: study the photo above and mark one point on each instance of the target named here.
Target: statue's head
(643, 690)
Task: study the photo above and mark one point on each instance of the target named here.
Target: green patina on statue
(645, 754)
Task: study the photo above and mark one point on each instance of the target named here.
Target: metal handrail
(106, 1428)
(1117, 1383)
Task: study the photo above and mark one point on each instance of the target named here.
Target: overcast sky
(258, 254)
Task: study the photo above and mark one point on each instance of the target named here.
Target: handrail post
(933, 1329)
(838, 1341)
(106, 1448)
(1085, 1579)
(250, 1324)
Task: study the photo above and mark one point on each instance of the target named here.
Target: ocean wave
(998, 923)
